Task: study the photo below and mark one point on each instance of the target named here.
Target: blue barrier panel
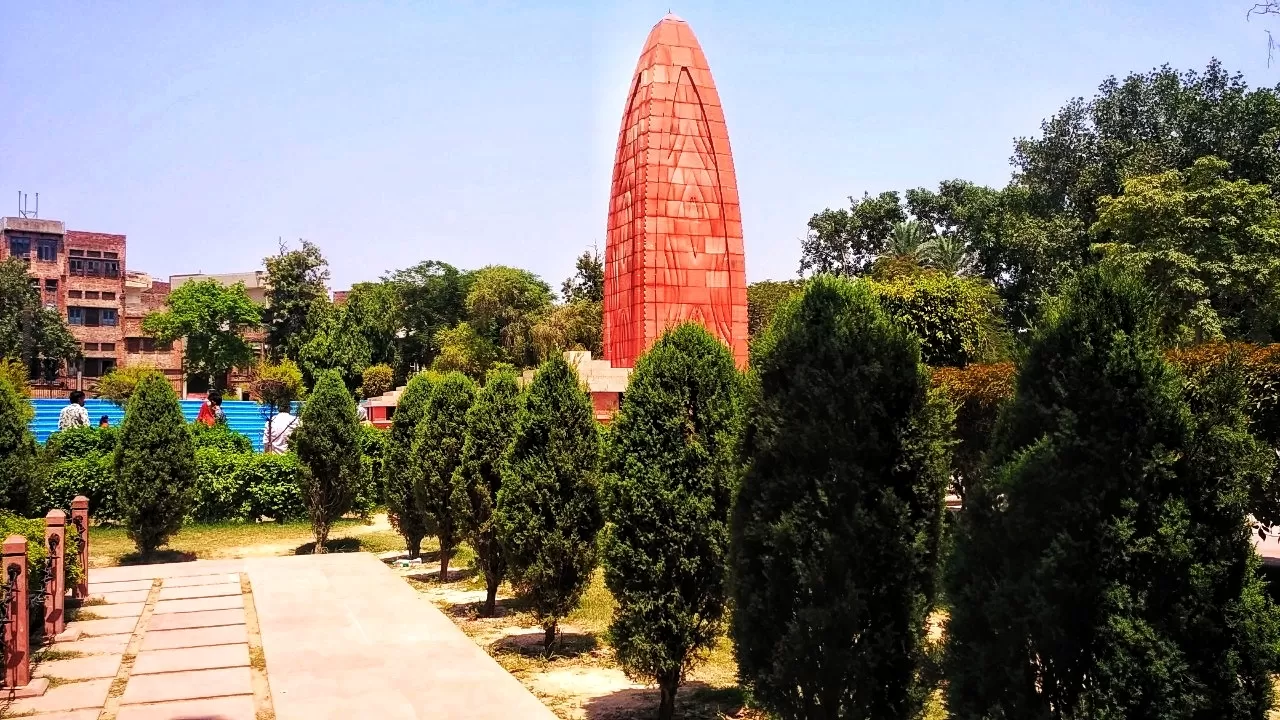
(244, 417)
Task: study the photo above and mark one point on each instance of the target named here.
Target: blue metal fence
(244, 417)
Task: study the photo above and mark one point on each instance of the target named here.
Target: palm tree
(948, 254)
(906, 240)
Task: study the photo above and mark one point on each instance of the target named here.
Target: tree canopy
(296, 285)
(30, 332)
(210, 319)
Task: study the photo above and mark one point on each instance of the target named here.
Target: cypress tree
(404, 511)
(154, 465)
(838, 519)
(491, 424)
(671, 465)
(327, 441)
(1103, 567)
(548, 510)
(438, 451)
(19, 468)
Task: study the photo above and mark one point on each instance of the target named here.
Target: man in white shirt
(74, 414)
(275, 436)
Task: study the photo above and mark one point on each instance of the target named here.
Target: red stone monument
(674, 246)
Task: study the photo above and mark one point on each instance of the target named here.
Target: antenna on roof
(24, 211)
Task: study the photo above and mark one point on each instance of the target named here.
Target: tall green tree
(1103, 567)
(437, 448)
(431, 297)
(374, 310)
(464, 350)
(1208, 245)
(296, 287)
(155, 465)
(670, 470)
(327, 441)
(548, 508)
(210, 319)
(846, 242)
(763, 300)
(404, 510)
(957, 319)
(491, 427)
(504, 304)
(30, 332)
(836, 536)
(576, 325)
(587, 283)
(19, 467)
(336, 342)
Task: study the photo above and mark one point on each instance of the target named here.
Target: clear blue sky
(479, 133)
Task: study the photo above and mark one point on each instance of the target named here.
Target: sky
(484, 133)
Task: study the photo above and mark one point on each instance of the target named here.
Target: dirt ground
(581, 681)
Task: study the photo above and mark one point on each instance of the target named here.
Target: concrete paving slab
(99, 644)
(112, 626)
(131, 610)
(194, 637)
(126, 596)
(199, 591)
(194, 658)
(89, 667)
(165, 570)
(73, 696)
(194, 580)
(239, 707)
(90, 714)
(187, 685)
(224, 602)
(122, 586)
(204, 618)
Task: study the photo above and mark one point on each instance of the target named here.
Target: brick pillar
(55, 539)
(17, 634)
(80, 521)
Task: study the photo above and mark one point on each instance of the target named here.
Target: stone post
(55, 539)
(80, 520)
(17, 635)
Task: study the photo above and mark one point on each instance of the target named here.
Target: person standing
(275, 436)
(104, 421)
(74, 415)
(211, 412)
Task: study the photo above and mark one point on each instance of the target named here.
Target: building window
(108, 316)
(90, 346)
(74, 294)
(76, 253)
(107, 347)
(93, 268)
(75, 316)
(111, 255)
(91, 295)
(19, 247)
(97, 367)
(47, 250)
(91, 316)
(145, 344)
(94, 253)
(111, 268)
(108, 296)
(75, 266)
(51, 285)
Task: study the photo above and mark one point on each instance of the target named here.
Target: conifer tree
(404, 511)
(327, 441)
(154, 465)
(19, 468)
(670, 469)
(491, 425)
(1103, 567)
(437, 452)
(548, 508)
(838, 519)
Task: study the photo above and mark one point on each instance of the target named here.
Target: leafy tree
(154, 465)
(576, 325)
(277, 385)
(17, 373)
(587, 283)
(119, 384)
(30, 332)
(1103, 568)
(504, 304)
(19, 467)
(327, 442)
(374, 310)
(296, 285)
(669, 476)
(906, 241)
(403, 508)
(376, 380)
(437, 448)
(846, 242)
(464, 350)
(763, 300)
(491, 425)
(431, 297)
(957, 319)
(211, 321)
(836, 537)
(1210, 246)
(336, 343)
(947, 254)
(548, 511)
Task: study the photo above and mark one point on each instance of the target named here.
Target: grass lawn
(110, 546)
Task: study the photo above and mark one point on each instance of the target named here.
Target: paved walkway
(329, 636)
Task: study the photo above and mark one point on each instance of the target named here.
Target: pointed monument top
(671, 17)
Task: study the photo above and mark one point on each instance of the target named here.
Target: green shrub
(548, 508)
(437, 448)
(376, 380)
(837, 524)
(220, 487)
(154, 465)
(957, 319)
(81, 442)
(91, 475)
(1104, 567)
(220, 437)
(491, 425)
(20, 468)
(119, 384)
(276, 385)
(273, 488)
(18, 373)
(671, 465)
(373, 447)
(327, 442)
(403, 509)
